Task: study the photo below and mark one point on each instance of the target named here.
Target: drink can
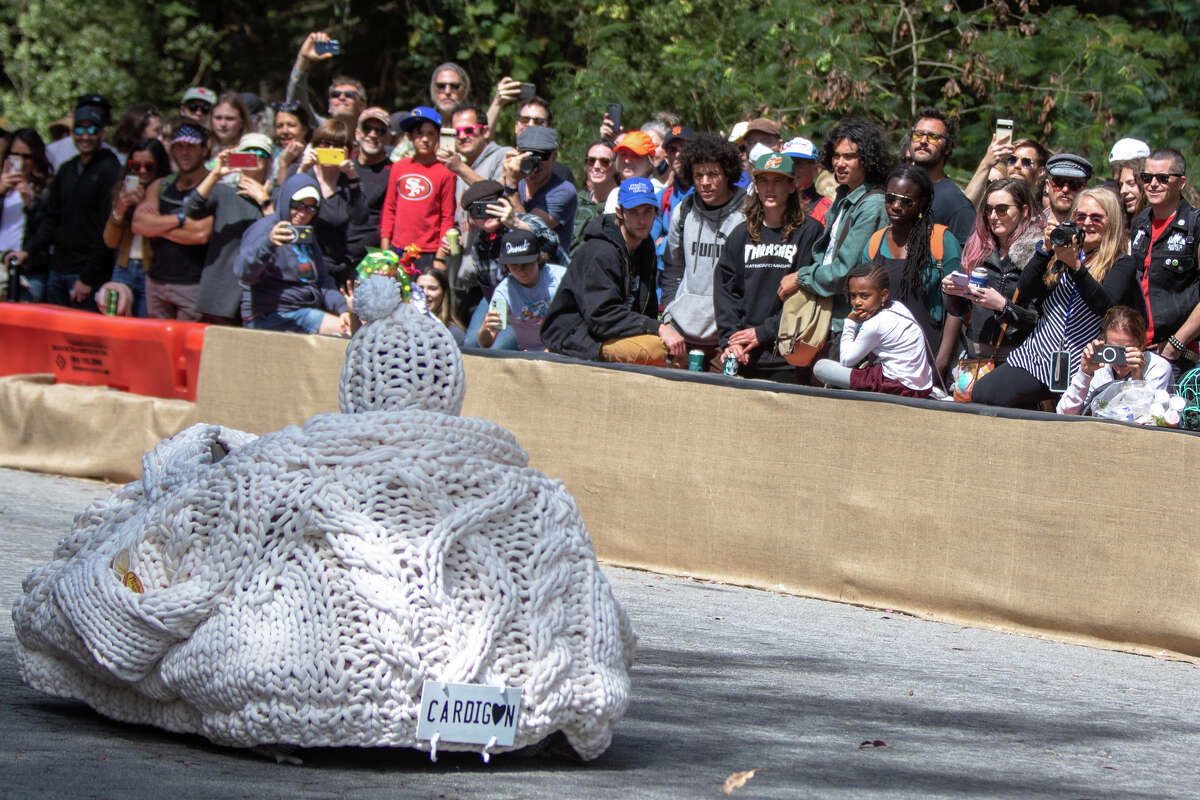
(110, 303)
(979, 277)
(453, 242)
(696, 360)
(731, 365)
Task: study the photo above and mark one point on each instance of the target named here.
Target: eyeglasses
(533, 120)
(1000, 209)
(441, 87)
(338, 94)
(374, 130)
(902, 199)
(87, 129)
(300, 205)
(140, 166)
(198, 107)
(1095, 219)
(1074, 184)
(921, 136)
(286, 108)
(1026, 163)
(471, 130)
(599, 162)
(1162, 177)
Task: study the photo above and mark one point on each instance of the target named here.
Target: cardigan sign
(469, 713)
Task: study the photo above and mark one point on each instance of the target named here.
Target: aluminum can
(453, 242)
(731, 365)
(696, 360)
(110, 303)
(979, 277)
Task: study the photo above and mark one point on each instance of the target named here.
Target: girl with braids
(776, 236)
(906, 250)
(884, 331)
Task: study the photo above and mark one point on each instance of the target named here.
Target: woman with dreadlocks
(917, 254)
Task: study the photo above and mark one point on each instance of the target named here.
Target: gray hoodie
(694, 244)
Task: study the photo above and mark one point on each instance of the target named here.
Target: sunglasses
(300, 205)
(1095, 219)
(286, 108)
(1162, 177)
(441, 87)
(87, 129)
(1074, 184)
(374, 130)
(338, 94)
(921, 136)
(600, 162)
(140, 166)
(471, 130)
(198, 107)
(902, 199)
(533, 120)
(1026, 163)
(1000, 209)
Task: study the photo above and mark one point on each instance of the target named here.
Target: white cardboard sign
(469, 713)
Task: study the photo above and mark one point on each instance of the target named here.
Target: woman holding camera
(1118, 356)
(1077, 273)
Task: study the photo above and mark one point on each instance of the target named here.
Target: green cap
(773, 162)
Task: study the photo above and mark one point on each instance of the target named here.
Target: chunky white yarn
(300, 586)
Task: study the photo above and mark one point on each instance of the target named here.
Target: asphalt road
(726, 680)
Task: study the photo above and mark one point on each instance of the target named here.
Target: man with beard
(1067, 175)
(932, 141)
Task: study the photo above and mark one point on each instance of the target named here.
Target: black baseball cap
(518, 247)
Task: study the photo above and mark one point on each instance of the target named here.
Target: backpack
(936, 237)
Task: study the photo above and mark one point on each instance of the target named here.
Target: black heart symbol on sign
(498, 710)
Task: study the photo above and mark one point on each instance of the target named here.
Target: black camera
(530, 162)
(478, 209)
(1064, 233)
(1109, 354)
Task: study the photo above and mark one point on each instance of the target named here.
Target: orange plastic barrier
(155, 357)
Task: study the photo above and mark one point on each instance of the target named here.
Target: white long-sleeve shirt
(1078, 397)
(896, 341)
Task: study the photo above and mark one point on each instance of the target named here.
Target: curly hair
(794, 214)
(873, 151)
(711, 148)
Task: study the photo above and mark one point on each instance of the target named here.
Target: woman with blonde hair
(1078, 272)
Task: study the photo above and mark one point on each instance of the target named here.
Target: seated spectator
(419, 205)
(293, 129)
(373, 168)
(1002, 243)
(531, 185)
(179, 243)
(449, 87)
(605, 309)
(635, 159)
(1070, 287)
(24, 192)
(523, 297)
(75, 212)
(600, 182)
(437, 299)
(235, 198)
(342, 201)
(197, 105)
(285, 286)
(884, 331)
(917, 254)
(347, 97)
(140, 121)
(700, 227)
(230, 121)
(776, 235)
(933, 136)
(1125, 328)
(147, 163)
(804, 158)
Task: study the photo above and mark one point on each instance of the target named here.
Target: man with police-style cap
(1066, 175)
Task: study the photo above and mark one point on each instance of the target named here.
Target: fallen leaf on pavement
(738, 779)
(870, 743)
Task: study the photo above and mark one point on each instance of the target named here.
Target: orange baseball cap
(636, 142)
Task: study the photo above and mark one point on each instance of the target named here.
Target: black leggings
(1010, 387)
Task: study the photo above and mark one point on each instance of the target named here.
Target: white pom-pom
(376, 298)
(1177, 403)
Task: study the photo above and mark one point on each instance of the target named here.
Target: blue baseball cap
(421, 114)
(636, 192)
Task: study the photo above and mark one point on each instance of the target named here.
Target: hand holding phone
(250, 161)
(1004, 129)
(330, 156)
(329, 47)
(448, 139)
(528, 90)
(499, 306)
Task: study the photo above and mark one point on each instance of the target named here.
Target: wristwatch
(510, 189)
(182, 217)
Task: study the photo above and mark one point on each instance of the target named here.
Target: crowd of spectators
(677, 248)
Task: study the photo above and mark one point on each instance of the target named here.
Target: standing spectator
(197, 105)
(75, 213)
(605, 309)
(1125, 328)
(1023, 159)
(285, 286)
(342, 201)
(660, 175)
(857, 155)
(148, 162)
(933, 136)
(61, 149)
(475, 156)
(293, 129)
(699, 229)
(635, 159)
(540, 191)
(1165, 238)
(526, 293)
(233, 207)
(804, 158)
(763, 131)
(536, 113)
(419, 205)
(347, 97)
(140, 121)
(1067, 174)
(776, 236)
(374, 138)
(673, 145)
(230, 121)
(24, 192)
(449, 87)
(601, 181)
(1128, 176)
(180, 244)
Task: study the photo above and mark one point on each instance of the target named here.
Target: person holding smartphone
(342, 201)
(1124, 334)
(25, 176)
(146, 164)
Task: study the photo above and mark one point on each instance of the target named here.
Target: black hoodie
(605, 294)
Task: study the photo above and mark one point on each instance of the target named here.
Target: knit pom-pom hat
(401, 358)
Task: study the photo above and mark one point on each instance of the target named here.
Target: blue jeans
(134, 277)
(301, 320)
(505, 339)
(58, 290)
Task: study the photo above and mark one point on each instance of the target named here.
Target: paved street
(726, 679)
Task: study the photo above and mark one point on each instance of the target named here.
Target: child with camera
(1118, 356)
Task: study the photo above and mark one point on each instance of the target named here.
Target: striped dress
(1035, 354)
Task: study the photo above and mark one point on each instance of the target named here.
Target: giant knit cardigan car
(300, 586)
